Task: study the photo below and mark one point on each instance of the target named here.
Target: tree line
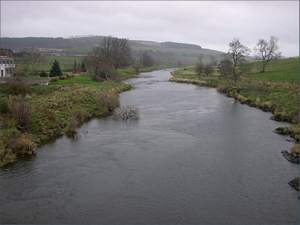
(101, 62)
(114, 53)
(235, 63)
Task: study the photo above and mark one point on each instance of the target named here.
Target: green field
(66, 63)
(284, 70)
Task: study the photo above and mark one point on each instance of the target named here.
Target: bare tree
(98, 69)
(113, 53)
(225, 67)
(237, 52)
(208, 69)
(121, 52)
(199, 67)
(267, 51)
(147, 60)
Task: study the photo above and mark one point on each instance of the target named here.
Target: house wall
(7, 67)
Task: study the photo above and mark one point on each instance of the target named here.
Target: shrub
(3, 105)
(108, 100)
(22, 145)
(81, 117)
(295, 150)
(71, 128)
(20, 111)
(6, 155)
(126, 113)
(17, 87)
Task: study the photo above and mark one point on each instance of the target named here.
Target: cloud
(209, 24)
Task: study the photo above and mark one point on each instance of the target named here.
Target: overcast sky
(209, 24)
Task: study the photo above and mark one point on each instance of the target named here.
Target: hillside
(169, 53)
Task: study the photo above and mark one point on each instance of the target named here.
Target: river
(194, 156)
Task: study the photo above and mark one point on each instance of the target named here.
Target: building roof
(5, 57)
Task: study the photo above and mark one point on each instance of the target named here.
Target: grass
(66, 63)
(284, 70)
(276, 90)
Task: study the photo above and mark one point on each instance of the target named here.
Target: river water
(194, 156)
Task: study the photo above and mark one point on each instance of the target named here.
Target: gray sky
(209, 24)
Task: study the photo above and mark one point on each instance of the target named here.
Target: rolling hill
(168, 53)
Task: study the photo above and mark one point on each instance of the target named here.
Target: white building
(7, 66)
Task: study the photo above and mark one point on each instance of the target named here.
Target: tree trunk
(263, 69)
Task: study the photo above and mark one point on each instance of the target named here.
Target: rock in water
(295, 183)
(127, 113)
(290, 157)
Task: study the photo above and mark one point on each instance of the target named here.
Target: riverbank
(33, 115)
(275, 91)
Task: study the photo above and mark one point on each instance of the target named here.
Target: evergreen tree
(55, 69)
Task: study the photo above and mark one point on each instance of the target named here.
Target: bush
(71, 128)
(81, 117)
(126, 113)
(295, 150)
(6, 155)
(16, 87)
(3, 105)
(108, 100)
(20, 111)
(22, 145)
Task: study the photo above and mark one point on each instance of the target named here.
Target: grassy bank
(40, 113)
(276, 90)
(33, 115)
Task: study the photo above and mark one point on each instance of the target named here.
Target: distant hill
(170, 53)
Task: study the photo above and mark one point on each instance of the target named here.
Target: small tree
(199, 67)
(237, 52)
(225, 68)
(147, 59)
(137, 67)
(55, 69)
(208, 69)
(267, 51)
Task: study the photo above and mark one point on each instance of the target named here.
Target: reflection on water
(194, 156)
